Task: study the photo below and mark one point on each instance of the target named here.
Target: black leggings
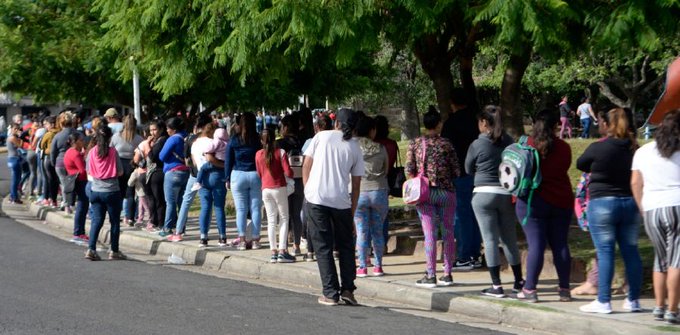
(156, 198)
(294, 209)
(51, 180)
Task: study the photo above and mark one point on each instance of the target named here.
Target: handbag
(70, 183)
(396, 178)
(417, 189)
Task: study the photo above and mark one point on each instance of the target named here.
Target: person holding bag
(273, 168)
(434, 159)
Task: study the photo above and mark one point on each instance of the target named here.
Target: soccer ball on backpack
(519, 172)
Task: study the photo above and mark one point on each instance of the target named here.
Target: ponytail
(102, 139)
(269, 146)
(492, 115)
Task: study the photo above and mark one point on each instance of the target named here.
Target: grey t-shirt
(483, 159)
(126, 150)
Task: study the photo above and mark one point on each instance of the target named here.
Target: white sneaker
(631, 306)
(597, 307)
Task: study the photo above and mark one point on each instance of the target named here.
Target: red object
(332, 116)
(74, 162)
(670, 98)
(555, 187)
(273, 176)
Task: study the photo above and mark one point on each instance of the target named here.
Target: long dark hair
(248, 131)
(382, 128)
(668, 135)
(102, 139)
(492, 115)
(292, 124)
(269, 146)
(543, 131)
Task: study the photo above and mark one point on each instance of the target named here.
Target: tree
(48, 49)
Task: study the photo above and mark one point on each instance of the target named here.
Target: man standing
(461, 129)
(113, 119)
(331, 158)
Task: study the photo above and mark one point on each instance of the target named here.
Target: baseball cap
(111, 112)
(346, 116)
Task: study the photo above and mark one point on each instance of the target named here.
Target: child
(219, 148)
(136, 180)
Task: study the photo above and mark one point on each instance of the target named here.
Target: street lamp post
(135, 92)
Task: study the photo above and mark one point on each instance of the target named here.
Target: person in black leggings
(154, 186)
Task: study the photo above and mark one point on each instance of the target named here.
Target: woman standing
(491, 203)
(51, 187)
(372, 207)
(57, 151)
(273, 169)
(213, 191)
(382, 131)
(551, 209)
(613, 216)
(292, 145)
(104, 167)
(656, 187)
(14, 161)
(154, 175)
(435, 156)
(125, 143)
(74, 162)
(176, 172)
(242, 178)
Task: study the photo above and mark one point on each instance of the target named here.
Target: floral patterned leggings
(438, 211)
(369, 219)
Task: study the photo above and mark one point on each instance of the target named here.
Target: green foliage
(48, 49)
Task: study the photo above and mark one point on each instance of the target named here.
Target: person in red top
(273, 168)
(74, 162)
(551, 208)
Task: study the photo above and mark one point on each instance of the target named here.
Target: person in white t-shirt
(655, 182)
(585, 111)
(331, 159)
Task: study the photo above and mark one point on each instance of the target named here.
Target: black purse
(396, 178)
(70, 183)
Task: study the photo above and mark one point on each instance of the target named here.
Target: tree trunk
(467, 81)
(511, 91)
(436, 62)
(410, 120)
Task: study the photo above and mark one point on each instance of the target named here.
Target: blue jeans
(466, 230)
(212, 195)
(103, 202)
(370, 220)
(82, 206)
(246, 189)
(616, 220)
(187, 200)
(586, 127)
(14, 164)
(173, 189)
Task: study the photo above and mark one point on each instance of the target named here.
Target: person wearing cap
(331, 158)
(113, 118)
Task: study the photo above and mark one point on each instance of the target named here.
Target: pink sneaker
(377, 271)
(150, 228)
(84, 237)
(175, 238)
(362, 272)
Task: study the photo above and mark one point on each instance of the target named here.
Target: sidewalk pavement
(397, 286)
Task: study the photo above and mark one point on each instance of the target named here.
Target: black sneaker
(565, 295)
(462, 265)
(348, 298)
(285, 257)
(475, 262)
(445, 280)
(429, 282)
(203, 243)
(308, 257)
(518, 286)
(222, 242)
(494, 292)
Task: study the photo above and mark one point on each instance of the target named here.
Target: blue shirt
(259, 124)
(172, 149)
(240, 156)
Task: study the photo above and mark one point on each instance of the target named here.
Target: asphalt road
(47, 287)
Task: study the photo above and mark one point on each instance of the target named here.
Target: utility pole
(135, 92)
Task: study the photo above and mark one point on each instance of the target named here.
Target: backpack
(519, 171)
(295, 159)
(581, 200)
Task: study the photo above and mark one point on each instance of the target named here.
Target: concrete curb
(507, 312)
